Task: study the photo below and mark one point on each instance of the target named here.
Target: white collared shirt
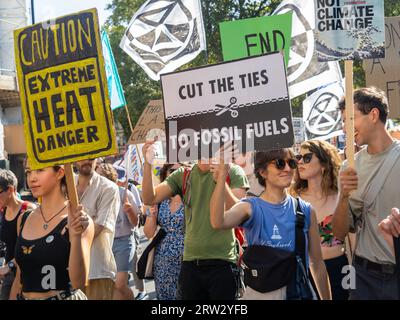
(101, 202)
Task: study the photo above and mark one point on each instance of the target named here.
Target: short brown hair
(262, 158)
(367, 99)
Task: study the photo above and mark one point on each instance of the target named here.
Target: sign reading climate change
(348, 30)
(150, 124)
(245, 101)
(64, 98)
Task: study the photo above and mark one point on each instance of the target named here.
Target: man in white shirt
(100, 198)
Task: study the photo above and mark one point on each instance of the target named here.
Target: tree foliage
(139, 88)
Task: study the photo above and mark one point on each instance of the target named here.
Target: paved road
(149, 284)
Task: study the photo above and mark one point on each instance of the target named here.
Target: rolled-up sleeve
(108, 207)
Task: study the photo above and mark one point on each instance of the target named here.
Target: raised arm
(232, 195)
(234, 216)
(151, 195)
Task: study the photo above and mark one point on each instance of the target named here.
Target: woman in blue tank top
(53, 245)
(270, 219)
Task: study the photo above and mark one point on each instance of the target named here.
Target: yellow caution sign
(63, 88)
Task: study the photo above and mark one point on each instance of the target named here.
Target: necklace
(46, 223)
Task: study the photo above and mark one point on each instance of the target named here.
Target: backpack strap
(185, 180)
(371, 192)
(300, 244)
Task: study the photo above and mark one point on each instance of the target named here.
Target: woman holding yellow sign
(53, 246)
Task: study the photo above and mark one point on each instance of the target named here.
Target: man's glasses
(306, 157)
(280, 164)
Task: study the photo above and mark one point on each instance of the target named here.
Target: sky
(45, 9)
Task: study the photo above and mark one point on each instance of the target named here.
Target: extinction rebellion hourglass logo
(164, 35)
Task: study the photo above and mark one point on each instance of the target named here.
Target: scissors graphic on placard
(222, 109)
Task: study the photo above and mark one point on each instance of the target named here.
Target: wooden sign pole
(348, 68)
(129, 118)
(72, 194)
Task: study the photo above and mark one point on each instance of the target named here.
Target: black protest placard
(245, 101)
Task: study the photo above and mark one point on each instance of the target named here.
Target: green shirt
(201, 240)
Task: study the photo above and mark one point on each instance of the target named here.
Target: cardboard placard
(385, 73)
(150, 122)
(64, 96)
(245, 101)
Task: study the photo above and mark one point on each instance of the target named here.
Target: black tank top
(43, 262)
(9, 232)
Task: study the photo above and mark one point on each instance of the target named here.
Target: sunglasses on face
(306, 157)
(280, 164)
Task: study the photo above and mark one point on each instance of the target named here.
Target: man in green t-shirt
(209, 255)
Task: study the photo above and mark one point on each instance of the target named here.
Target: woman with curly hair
(317, 183)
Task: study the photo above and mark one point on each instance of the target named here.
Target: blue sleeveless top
(274, 224)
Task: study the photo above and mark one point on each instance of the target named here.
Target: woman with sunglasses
(270, 219)
(317, 183)
(168, 256)
(52, 251)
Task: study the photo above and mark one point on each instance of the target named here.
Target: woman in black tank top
(53, 245)
(12, 207)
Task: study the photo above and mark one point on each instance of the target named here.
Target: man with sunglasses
(367, 195)
(209, 258)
